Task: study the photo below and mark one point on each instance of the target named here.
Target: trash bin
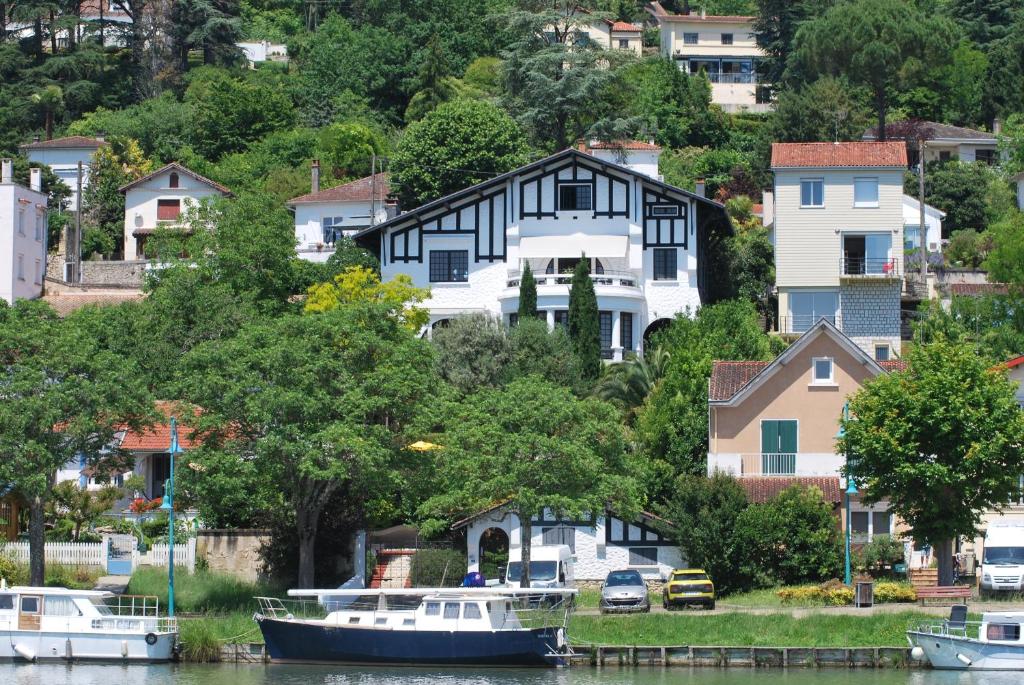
(864, 595)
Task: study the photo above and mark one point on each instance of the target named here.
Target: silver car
(624, 592)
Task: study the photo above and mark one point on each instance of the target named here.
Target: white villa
(616, 35)
(645, 241)
(22, 235)
(158, 200)
(322, 217)
(933, 218)
(838, 235)
(599, 544)
(723, 47)
(63, 155)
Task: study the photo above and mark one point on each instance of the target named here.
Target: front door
(30, 608)
(119, 555)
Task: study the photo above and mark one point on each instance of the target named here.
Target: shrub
(835, 593)
(11, 571)
(882, 551)
(437, 568)
(887, 593)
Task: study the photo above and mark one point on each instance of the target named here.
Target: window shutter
(787, 437)
(769, 437)
(168, 210)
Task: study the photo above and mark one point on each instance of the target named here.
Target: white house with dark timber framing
(651, 246)
(599, 544)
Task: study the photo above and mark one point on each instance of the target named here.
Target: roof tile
(177, 167)
(858, 154)
(617, 145)
(66, 142)
(727, 378)
(158, 437)
(902, 130)
(360, 190)
(762, 489)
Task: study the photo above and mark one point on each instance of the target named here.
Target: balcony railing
(768, 464)
(870, 267)
(801, 323)
(622, 279)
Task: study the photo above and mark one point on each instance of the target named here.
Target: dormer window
(173, 182)
(575, 197)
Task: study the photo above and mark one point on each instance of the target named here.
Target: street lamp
(851, 489)
(168, 506)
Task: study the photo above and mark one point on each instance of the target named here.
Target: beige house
(774, 424)
(723, 47)
(837, 226)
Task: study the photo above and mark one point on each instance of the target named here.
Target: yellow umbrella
(422, 446)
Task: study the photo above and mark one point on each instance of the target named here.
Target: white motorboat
(992, 644)
(49, 623)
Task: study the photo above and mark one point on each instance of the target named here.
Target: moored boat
(420, 626)
(49, 623)
(992, 644)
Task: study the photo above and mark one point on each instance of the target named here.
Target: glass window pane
(690, 38)
(451, 609)
(433, 608)
(859, 521)
(643, 556)
(7, 602)
(626, 331)
(822, 369)
(605, 323)
(865, 191)
(472, 610)
(880, 522)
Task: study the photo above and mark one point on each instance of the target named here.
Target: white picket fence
(184, 555)
(68, 553)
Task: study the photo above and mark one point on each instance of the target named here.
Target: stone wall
(234, 552)
(122, 274)
(870, 313)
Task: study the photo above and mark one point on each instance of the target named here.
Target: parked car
(687, 586)
(624, 591)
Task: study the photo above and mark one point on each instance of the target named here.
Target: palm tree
(628, 384)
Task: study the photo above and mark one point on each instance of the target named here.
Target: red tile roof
(158, 438)
(67, 142)
(894, 365)
(859, 154)
(727, 378)
(65, 303)
(762, 489)
(623, 26)
(176, 167)
(360, 190)
(584, 146)
(978, 289)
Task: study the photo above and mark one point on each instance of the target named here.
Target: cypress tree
(584, 326)
(527, 294)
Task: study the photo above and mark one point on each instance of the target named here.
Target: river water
(188, 674)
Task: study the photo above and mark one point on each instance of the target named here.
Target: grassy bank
(743, 629)
(200, 592)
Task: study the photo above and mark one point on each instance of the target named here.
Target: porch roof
(157, 438)
(763, 489)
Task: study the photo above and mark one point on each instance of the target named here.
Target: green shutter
(769, 437)
(787, 437)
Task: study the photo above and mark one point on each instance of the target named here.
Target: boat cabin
(453, 611)
(1002, 627)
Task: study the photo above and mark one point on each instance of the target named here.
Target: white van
(550, 566)
(1002, 563)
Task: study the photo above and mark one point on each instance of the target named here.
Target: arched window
(174, 180)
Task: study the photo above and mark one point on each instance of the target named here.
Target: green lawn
(201, 591)
(743, 629)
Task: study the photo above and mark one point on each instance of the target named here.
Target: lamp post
(168, 506)
(851, 489)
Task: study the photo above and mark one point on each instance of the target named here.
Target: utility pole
(922, 229)
(73, 242)
(373, 189)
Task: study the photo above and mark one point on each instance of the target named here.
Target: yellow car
(688, 586)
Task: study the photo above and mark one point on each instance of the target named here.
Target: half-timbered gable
(644, 241)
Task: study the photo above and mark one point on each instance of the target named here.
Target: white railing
(769, 464)
(619, 278)
(184, 555)
(820, 464)
(67, 553)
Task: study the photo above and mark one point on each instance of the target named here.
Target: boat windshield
(102, 608)
(539, 570)
(1004, 555)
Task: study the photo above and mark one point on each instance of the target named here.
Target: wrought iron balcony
(871, 267)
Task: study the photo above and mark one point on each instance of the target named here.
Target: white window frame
(812, 180)
(879, 346)
(831, 380)
(864, 203)
(659, 210)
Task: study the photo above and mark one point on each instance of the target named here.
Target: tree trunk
(944, 554)
(37, 541)
(306, 523)
(53, 33)
(49, 124)
(37, 38)
(880, 106)
(525, 533)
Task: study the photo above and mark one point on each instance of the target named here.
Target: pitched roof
(176, 167)
(66, 302)
(762, 489)
(933, 130)
(584, 146)
(158, 437)
(659, 12)
(361, 190)
(728, 377)
(978, 289)
(66, 142)
(623, 26)
(825, 155)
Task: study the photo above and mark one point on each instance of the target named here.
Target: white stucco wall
(64, 163)
(22, 242)
(140, 204)
(309, 224)
(932, 217)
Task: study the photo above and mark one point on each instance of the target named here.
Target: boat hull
(28, 645)
(955, 653)
(290, 640)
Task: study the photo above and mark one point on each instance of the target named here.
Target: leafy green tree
(827, 109)
(718, 167)
(972, 194)
(112, 166)
(82, 507)
(316, 400)
(967, 248)
(347, 149)
(985, 21)
(485, 74)
(940, 441)
(527, 294)
(1011, 144)
(212, 26)
(992, 324)
(64, 399)
(161, 125)
(433, 85)
(548, 354)
(584, 326)
(472, 352)
(790, 539)
(1005, 262)
(531, 445)
(775, 30)
(628, 384)
(753, 256)
(1006, 69)
(455, 146)
(358, 285)
(704, 513)
(880, 44)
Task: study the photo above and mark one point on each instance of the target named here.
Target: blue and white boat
(420, 626)
(992, 644)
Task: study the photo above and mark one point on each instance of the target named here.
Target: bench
(943, 592)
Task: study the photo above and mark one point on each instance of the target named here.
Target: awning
(573, 245)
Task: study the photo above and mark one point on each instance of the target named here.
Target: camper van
(1002, 563)
(550, 567)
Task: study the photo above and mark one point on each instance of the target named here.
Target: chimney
(699, 188)
(35, 179)
(101, 137)
(315, 185)
(997, 126)
(35, 138)
(6, 171)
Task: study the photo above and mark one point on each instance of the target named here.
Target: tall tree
(112, 166)
(584, 323)
(316, 400)
(881, 44)
(527, 294)
(65, 398)
(940, 441)
(213, 26)
(531, 445)
(775, 28)
(472, 352)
